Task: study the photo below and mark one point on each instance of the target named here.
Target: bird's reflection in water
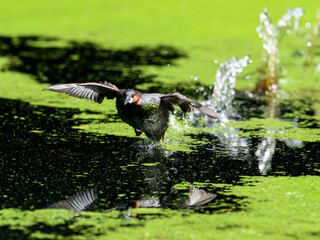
(78, 202)
(86, 200)
(157, 177)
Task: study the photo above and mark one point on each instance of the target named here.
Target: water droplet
(216, 61)
(309, 44)
(308, 25)
(283, 81)
(195, 78)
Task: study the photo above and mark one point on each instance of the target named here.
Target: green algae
(200, 65)
(301, 134)
(179, 130)
(186, 185)
(256, 127)
(111, 128)
(149, 108)
(275, 207)
(210, 37)
(259, 123)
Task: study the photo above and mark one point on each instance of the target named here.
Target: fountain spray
(311, 44)
(271, 36)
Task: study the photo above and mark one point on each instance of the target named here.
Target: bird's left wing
(77, 202)
(92, 91)
(188, 105)
(198, 197)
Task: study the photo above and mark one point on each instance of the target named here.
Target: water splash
(226, 77)
(236, 145)
(271, 35)
(265, 152)
(267, 148)
(222, 102)
(267, 145)
(290, 20)
(312, 42)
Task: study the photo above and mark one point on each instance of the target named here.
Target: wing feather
(188, 105)
(92, 91)
(77, 202)
(199, 197)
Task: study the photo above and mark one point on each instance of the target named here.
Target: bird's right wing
(92, 91)
(187, 105)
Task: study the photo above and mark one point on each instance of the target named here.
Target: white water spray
(271, 35)
(226, 78)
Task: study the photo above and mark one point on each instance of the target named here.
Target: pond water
(46, 156)
(44, 159)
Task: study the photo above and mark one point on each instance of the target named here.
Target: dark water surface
(44, 160)
(85, 61)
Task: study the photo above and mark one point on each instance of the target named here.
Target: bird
(78, 202)
(88, 199)
(145, 112)
(174, 200)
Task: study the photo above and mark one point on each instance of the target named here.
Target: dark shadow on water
(8, 233)
(44, 158)
(286, 161)
(84, 61)
(61, 230)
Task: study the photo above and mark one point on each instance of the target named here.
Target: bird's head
(132, 97)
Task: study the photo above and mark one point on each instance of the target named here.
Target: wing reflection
(78, 202)
(87, 199)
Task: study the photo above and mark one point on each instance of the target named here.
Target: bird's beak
(128, 100)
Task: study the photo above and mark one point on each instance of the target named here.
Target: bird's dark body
(151, 117)
(145, 112)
